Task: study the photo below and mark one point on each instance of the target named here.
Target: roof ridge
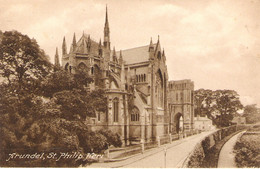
(135, 47)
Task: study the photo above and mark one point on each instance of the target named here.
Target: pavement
(226, 156)
(167, 156)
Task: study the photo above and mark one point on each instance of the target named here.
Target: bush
(112, 138)
(247, 151)
(206, 145)
(197, 157)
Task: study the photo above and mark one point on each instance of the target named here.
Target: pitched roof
(136, 55)
(82, 45)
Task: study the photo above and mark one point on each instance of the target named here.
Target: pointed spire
(100, 44)
(74, 44)
(114, 55)
(74, 40)
(64, 47)
(121, 54)
(106, 32)
(106, 20)
(158, 47)
(120, 57)
(100, 48)
(163, 55)
(88, 42)
(114, 51)
(151, 42)
(151, 47)
(56, 61)
(163, 52)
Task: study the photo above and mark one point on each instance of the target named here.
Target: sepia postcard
(130, 84)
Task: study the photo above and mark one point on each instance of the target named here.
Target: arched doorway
(178, 121)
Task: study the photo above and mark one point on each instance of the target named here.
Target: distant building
(239, 120)
(203, 123)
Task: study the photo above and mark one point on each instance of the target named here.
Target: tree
(60, 80)
(21, 59)
(220, 106)
(44, 125)
(203, 102)
(227, 104)
(251, 114)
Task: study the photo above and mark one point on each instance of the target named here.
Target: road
(226, 155)
(176, 153)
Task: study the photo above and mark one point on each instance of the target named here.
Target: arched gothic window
(115, 109)
(135, 114)
(144, 78)
(160, 88)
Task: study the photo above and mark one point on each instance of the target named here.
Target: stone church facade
(139, 73)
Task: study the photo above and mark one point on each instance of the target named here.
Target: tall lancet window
(115, 109)
(159, 84)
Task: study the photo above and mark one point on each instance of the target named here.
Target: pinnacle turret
(120, 57)
(64, 47)
(163, 54)
(89, 43)
(100, 48)
(56, 61)
(74, 43)
(158, 47)
(99, 44)
(151, 47)
(114, 55)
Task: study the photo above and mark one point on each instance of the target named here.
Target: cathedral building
(135, 81)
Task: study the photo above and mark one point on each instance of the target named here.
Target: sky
(215, 43)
